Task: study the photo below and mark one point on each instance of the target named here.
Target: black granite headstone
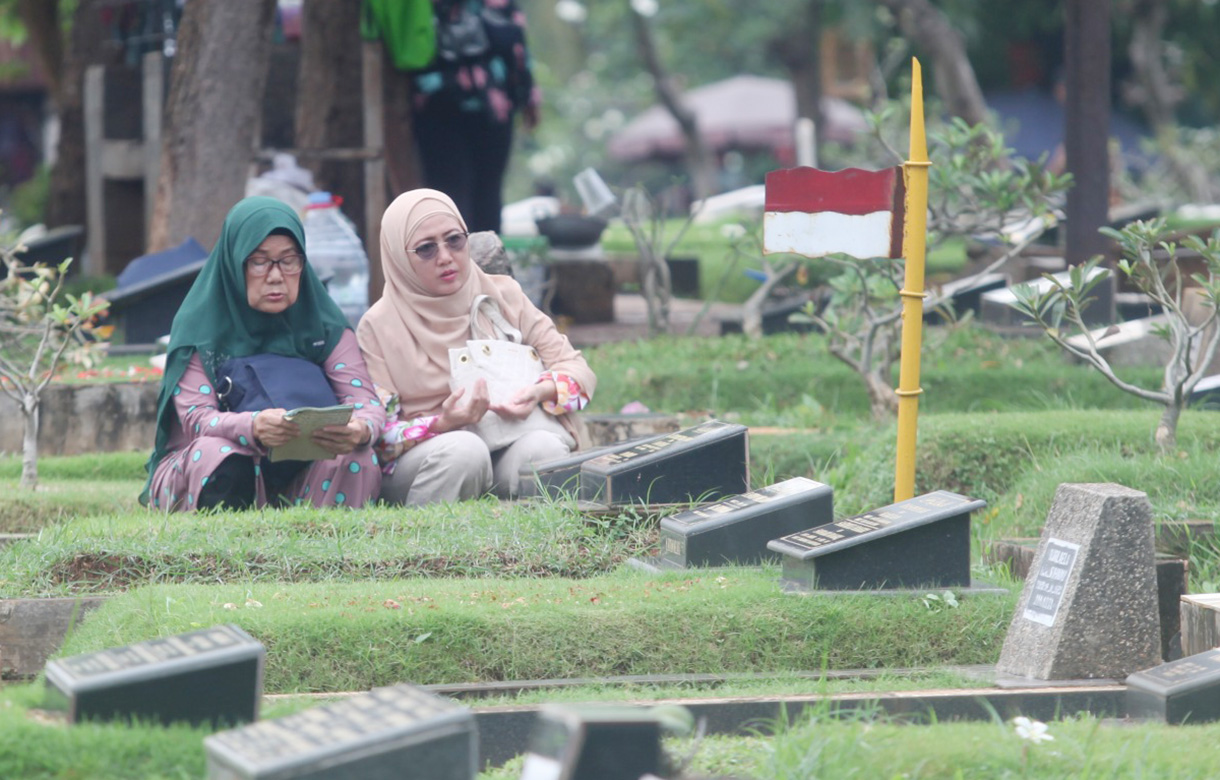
(214, 676)
(400, 731)
(921, 542)
(702, 463)
(736, 530)
(561, 477)
(589, 742)
(1181, 691)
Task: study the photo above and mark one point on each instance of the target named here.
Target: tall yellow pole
(914, 244)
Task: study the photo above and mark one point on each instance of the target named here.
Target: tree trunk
(66, 70)
(1087, 127)
(402, 164)
(1167, 428)
(882, 400)
(29, 442)
(41, 20)
(799, 50)
(699, 163)
(212, 117)
(933, 33)
(329, 113)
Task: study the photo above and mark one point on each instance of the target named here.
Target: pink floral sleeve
(398, 435)
(568, 395)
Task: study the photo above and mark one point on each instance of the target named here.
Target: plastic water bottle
(337, 255)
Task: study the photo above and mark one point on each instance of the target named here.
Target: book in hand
(310, 419)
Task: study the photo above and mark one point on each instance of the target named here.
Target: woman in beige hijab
(424, 311)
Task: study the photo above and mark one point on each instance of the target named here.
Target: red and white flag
(815, 213)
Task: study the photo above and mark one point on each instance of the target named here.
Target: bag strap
(501, 330)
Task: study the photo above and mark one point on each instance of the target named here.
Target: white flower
(732, 231)
(645, 7)
(571, 11)
(1034, 731)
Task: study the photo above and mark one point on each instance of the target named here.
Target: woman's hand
(272, 430)
(524, 400)
(456, 413)
(342, 439)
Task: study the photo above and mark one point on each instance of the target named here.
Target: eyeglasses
(260, 265)
(456, 243)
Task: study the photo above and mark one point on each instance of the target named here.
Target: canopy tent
(739, 112)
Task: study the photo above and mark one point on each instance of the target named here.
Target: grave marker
(705, 462)
(561, 476)
(1181, 691)
(593, 742)
(214, 676)
(736, 530)
(917, 543)
(1089, 606)
(399, 731)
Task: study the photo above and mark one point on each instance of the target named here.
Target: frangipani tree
(40, 327)
(1152, 263)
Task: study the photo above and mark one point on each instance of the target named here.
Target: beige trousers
(456, 466)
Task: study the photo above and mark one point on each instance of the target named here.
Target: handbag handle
(501, 329)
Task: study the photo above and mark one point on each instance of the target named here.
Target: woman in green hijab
(258, 295)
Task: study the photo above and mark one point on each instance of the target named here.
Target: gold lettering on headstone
(1181, 670)
(672, 547)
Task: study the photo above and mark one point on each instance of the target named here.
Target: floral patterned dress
(205, 436)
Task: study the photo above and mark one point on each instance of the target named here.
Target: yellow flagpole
(914, 244)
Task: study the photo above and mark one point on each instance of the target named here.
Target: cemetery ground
(487, 592)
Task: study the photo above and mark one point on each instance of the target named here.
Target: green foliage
(29, 199)
(1152, 264)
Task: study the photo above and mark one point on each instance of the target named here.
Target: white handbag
(507, 365)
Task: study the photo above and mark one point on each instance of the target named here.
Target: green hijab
(216, 322)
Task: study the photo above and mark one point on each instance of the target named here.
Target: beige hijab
(406, 336)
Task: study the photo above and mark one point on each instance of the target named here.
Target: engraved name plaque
(921, 542)
(396, 731)
(214, 675)
(1050, 580)
(736, 530)
(705, 462)
(1183, 691)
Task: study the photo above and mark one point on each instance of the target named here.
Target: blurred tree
(329, 111)
(212, 117)
(64, 36)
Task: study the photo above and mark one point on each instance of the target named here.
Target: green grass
(352, 635)
(55, 501)
(717, 259)
(764, 685)
(791, 379)
(111, 552)
(861, 746)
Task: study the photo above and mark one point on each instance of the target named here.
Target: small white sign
(1049, 582)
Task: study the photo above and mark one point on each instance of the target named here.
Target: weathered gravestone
(1089, 606)
(1185, 690)
(593, 742)
(736, 530)
(213, 676)
(918, 543)
(399, 731)
(701, 463)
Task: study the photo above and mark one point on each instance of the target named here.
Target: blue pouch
(257, 382)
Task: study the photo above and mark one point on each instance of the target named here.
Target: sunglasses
(428, 251)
